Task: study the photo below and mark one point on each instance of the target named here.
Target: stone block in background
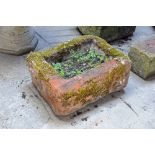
(109, 33)
(67, 95)
(17, 40)
(142, 55)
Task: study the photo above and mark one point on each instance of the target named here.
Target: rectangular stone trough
(67, 94)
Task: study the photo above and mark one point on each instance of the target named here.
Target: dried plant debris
(79, 61)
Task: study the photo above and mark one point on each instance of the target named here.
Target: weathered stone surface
(66, 96)
(142, 56)
(17, 39)
(109, 33)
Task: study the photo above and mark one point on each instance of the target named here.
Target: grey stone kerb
(17, 39)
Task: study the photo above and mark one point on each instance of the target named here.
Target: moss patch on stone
(143, 64)
(95, 88)
(91, 30)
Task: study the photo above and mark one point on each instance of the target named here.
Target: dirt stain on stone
(23, 95)
(96, 124)
(84, 119)
(73, 123)
(76, 114)
(22, 82)
(96, 106)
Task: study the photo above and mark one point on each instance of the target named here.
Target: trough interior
(73, 61)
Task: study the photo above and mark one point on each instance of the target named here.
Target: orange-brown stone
(66, 96)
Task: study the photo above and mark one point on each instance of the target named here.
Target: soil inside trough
(78, 61)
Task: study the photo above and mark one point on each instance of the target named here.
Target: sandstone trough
(66, 92)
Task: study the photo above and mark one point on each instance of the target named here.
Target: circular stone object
(17, 40)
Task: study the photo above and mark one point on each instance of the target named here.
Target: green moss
(93, 30)
(109, 50)
(95, 88)
(45, 70)
(142, 63)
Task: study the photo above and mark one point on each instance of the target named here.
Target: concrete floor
(22, 107)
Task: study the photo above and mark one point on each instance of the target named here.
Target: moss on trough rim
(45, 69)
